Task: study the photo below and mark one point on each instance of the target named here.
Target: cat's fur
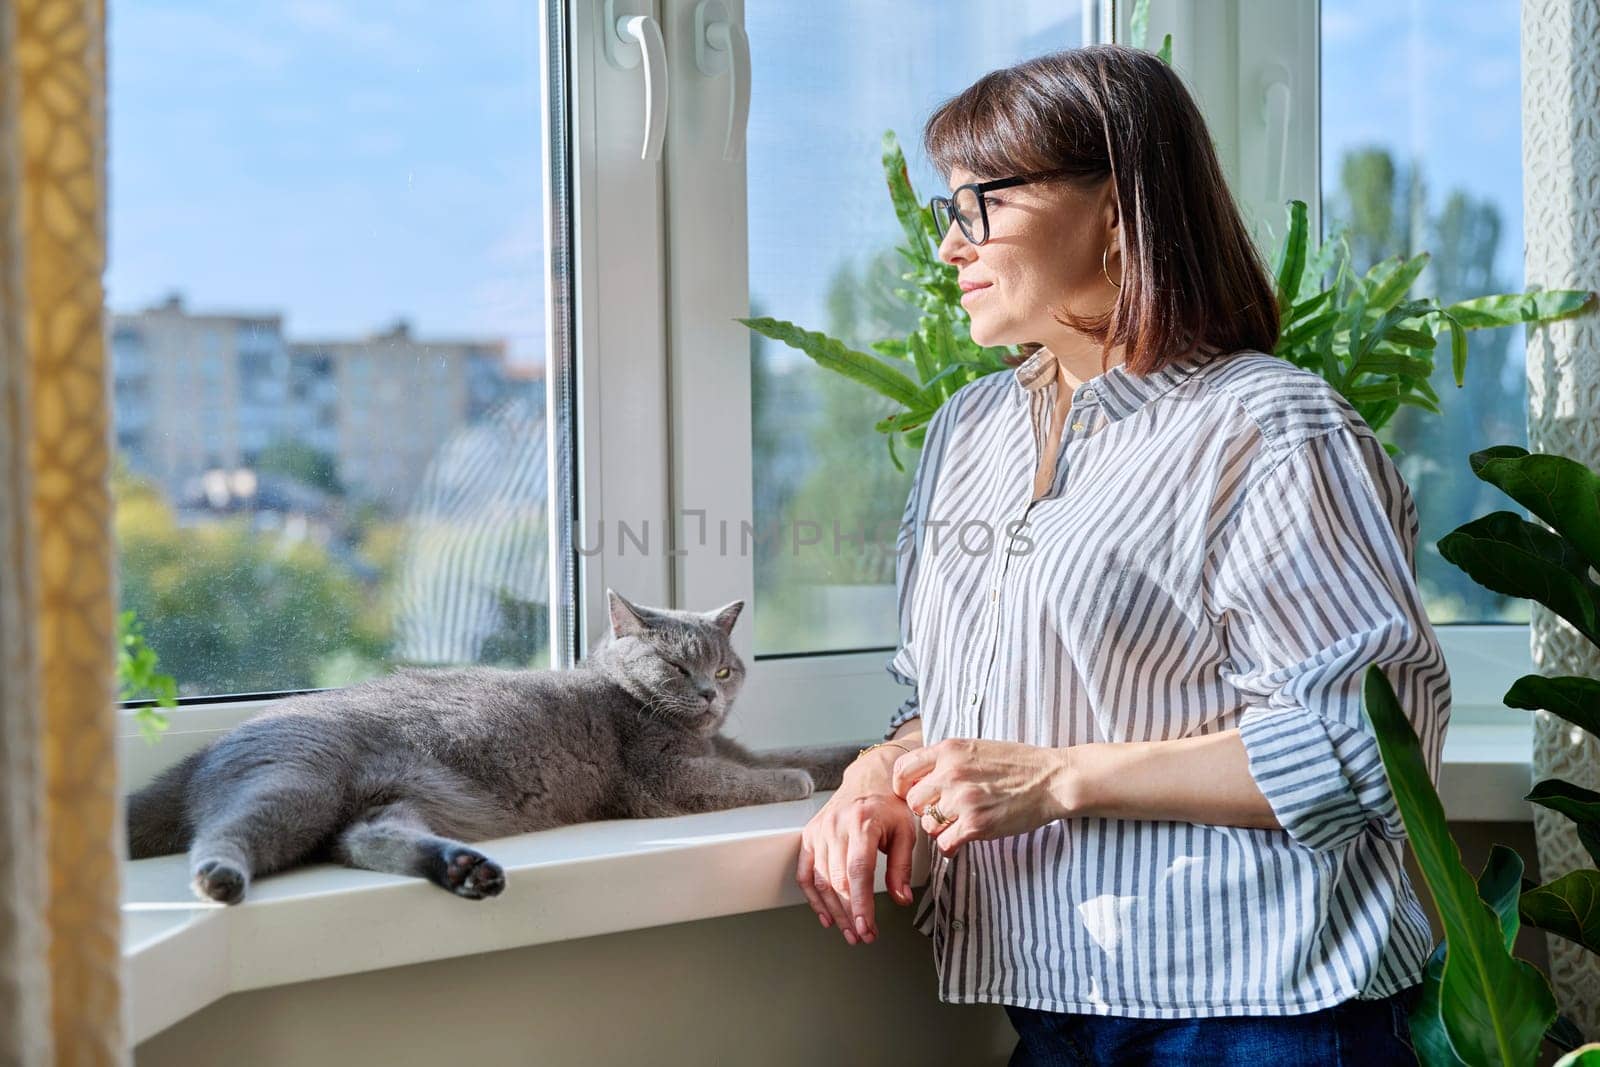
(397, 774)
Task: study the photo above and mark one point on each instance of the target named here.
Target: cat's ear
(725, 617)
(625, 618)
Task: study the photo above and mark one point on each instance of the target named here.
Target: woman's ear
(1111, 216)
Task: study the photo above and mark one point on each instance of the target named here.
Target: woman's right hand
(839, 847)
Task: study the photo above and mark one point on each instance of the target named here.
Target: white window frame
(663, 377)
(671, 360)
(607, 341)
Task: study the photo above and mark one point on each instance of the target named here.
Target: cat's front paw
(796, 784)
(469, 873)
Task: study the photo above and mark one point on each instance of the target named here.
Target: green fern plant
(138, 677)
(1362, 332)
(922, 370)
(1368, 339)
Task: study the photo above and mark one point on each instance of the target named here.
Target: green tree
(228, 610)
(303, 463)
(852, 479)
(1380, 207)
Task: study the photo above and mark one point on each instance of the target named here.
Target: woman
(1142, 577)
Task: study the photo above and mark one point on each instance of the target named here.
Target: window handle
(627, 38)
(720, 46)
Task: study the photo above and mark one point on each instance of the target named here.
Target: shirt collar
(1118, 391)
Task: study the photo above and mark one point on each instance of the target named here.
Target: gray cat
(396, 774)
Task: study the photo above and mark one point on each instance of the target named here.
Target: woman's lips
(972, 292)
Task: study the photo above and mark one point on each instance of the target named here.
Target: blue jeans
(1369, 1033)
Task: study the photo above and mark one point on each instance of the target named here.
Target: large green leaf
(1568, 906)
(1427, 1019)
(1311, 304)
(1504, 552)
(857, 366)
(915, 221)
(1292, 258)
(1573, 698)
(936, 390)
(1508, 309)
(1379, 362)
(1324, 260)
(1398, 282)
(1495, 1008)
(1410, 337)
(1458, 348)
(1580, 805)
(1499, 886)
(1306, 328)
(1139, 23)
(1561, 491)
(944, 357)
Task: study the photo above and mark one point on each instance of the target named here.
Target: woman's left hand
(984, 789)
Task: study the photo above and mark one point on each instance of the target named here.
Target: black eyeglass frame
(979, 188)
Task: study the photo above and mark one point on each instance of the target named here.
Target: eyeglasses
(968, 206)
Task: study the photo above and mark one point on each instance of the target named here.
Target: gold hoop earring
(1104, 269)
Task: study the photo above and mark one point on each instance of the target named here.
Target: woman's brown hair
(1191, 276)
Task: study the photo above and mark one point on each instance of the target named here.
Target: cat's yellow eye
(723, 672)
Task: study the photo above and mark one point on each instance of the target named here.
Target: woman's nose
(954, 244)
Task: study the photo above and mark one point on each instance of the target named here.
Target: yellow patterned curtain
(60, 958)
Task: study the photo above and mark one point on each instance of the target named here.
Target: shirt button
(994, 594)
(974, 698)
(1086, 394)
(957, 924)
(1077, 426)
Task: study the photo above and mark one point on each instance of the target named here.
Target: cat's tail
(158, 814)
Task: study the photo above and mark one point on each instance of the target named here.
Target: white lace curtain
(1561, 213)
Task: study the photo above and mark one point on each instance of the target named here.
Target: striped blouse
(1224, 544)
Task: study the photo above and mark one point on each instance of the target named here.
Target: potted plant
(1481, 1004)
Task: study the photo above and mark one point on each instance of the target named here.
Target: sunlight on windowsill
(575, 881)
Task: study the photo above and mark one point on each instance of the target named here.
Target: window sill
(576, 881)
(572, 882)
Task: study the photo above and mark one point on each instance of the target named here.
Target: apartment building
(195, 392)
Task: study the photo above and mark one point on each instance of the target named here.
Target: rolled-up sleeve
(1312, 581)
(902, 666)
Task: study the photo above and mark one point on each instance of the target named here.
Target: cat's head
(680, 665)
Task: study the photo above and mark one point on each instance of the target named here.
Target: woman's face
(1043, 254)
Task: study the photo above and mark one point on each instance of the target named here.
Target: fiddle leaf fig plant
(1480, 1005)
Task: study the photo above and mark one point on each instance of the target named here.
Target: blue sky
(346, 164)
(341, 168)
(1433, 79)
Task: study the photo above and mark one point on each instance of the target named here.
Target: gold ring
(938, 816)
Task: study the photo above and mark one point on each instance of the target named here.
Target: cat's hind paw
(217, 880)
(469, 873)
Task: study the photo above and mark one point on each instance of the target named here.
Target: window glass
(822, 255)
(1422, 151)
(325, 284)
